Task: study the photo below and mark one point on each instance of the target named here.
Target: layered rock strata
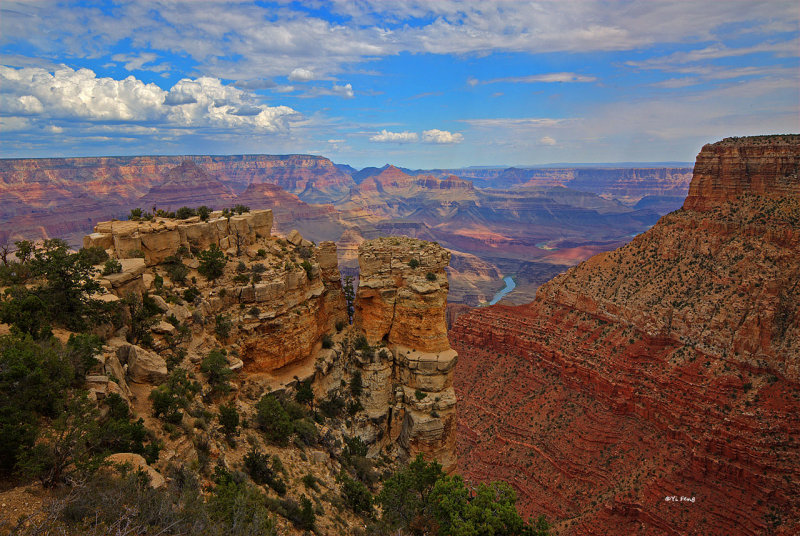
(279, 311)
(163, 237)
(295, 309)
(654, 389)
(400, 304)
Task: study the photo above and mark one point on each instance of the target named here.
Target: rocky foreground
(218, 315)
(655, 389)
(285, 297)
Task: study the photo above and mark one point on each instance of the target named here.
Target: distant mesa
(187, 185)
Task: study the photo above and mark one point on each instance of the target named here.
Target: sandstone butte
(655, 389)
(281, 320)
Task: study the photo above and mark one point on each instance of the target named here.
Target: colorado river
(510, 285)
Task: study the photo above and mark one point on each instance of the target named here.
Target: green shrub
(215, 367)
(353, 407)
(413, 263)
(93, 255)
(273, 420)
(172, 396)
(423, 495)
(229, 419)
(112, 266)
(185, 212)
(356, 384)
(34, 378)
(190, 294)
(310, 482)
(332, 407)
(222, 326)
(176, 270)
(430, 276)
(67, 287)
(81, 350)
(420, 395)
(327, 341)
(356, 495)
(308, 268)
(258, 466)
(238, 506)
(305, 394)
(204, 212)
(25, 312)
(306, 432)
(212, 262)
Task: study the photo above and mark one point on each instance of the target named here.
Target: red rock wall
(667, 368)
(761, 165)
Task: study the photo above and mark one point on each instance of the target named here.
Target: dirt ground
(19, 502)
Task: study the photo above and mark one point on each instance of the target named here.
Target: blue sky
(419, 84)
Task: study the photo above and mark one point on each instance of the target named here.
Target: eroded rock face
(766, 166)
(162, 237)
(668, 367)
(296, 308)
(400, 302)
(402, 293)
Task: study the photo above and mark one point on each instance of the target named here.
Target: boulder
(294, 237)
(145, 366)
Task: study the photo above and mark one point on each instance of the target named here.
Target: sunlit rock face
(400, 302)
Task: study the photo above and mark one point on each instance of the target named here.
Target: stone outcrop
(163, 237)
(278, 311)
(402, 293)
(766, 166)
(295, 307)
(400, 303)
(667, 368)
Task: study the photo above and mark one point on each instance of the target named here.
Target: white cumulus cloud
(547, 140)
(385, 136)
(66, 94)
(301, 75)
(441, 136)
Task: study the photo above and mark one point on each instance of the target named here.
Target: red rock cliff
(668, 368)
(758, 165)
